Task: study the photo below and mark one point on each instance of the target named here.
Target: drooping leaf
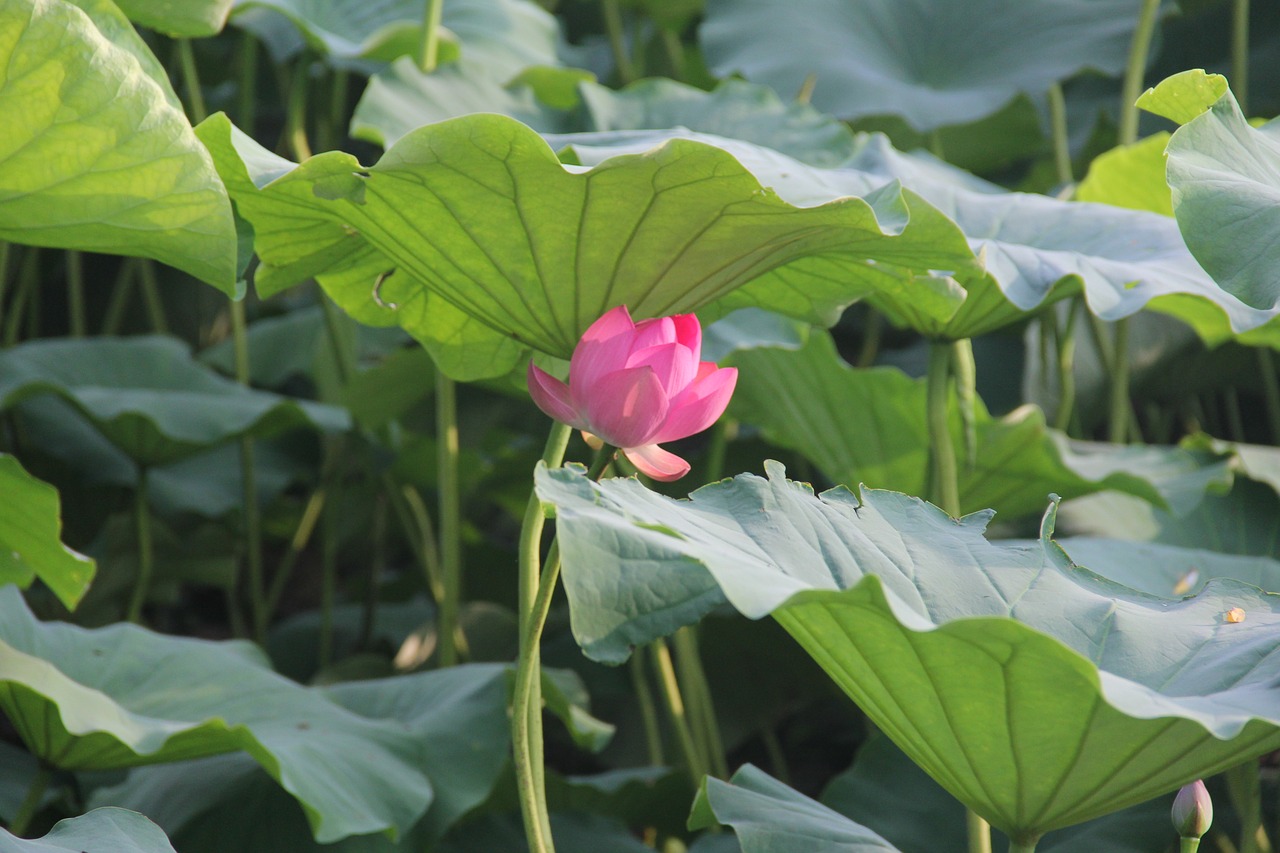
(1035, 249)
(97, 154)
(770, 817)
(502, 36)
(31, 534)
(1225, 179)
(118, 830)
(934, 63)
(1038, 693)
(123, 696)
(869, 427)
(149, 397)
(479, 212)
(185, 19)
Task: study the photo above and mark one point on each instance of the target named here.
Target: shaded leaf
(98, 155)
(31, 537)
(122, 831)
(188, 18)
(122, 696)
(1038, 693)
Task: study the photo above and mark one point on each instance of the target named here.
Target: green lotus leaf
(479, 212)
(402, 98)
(185, 19)
(1225, 178)
(119, 830)
(1168, 570)
(31, 537)
(149, 397)
(869, 427)
(1130, 176)
(934, 63)
(770, 817)
(123, 696)
(1038, 693)
(1035, 249)
(502, 36)
(97, 154)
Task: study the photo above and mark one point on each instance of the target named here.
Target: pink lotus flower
(636, 385)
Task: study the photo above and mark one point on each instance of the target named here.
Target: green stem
(777, 755)
(1134, 71)
(296, 109)
(75, 293)
(675, 52)
(142, 520)
(1058, 132)
(31, 802)
(1188, 845)
(28, 280)
(249, 482)
(945, 491)
(191, 81)
(151, 296)
(617, 40)
(120, 292)
(1240, 53)
(702, 711)
(1270, 391)
(1066, 347)
(724, 431)
(336, 128)
(695, 761)
(526, 711)
(328, 582)
(648, 711)
(341, 357)
(5, 253)
(301, 536)
(965, 371)
(450, 514)
(1246, 796)
(429, 47)
(1118, 424)
(246, 84)
(377, 563)
(872, 333)
(1021, 846)
(415, 521)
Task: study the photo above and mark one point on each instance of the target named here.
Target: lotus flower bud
(1192, 810)
(636, 385)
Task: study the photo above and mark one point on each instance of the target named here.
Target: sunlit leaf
(188, 18)
(1038, 693)
(31, 534)
(96, 154)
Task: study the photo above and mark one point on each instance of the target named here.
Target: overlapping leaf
(149, 397)
(479, 213)
(868, 427)
(188, 18)
(123, 696)
(1038, 693)
(30, 537)
(96, 153)
(933, 63)
(120, 830)
(1035, 249)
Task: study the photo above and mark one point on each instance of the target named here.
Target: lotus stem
(695, 761)
(298, 544)
(450, 515)
(429, 46)
(1188, 845)
(617, 40)
(31, 802)
(246, 83)
(648, 712)
(142, 521)
(151, 296)
(702, 711)
(1135, 70)
(1118, 424)
(1021, 846)
(28, 281)
(1270, 390)
(965, 371)
(75, 293)
(328, 582)
(191, 81)
(1066, 347)
(1246, 796)
(979, 834)
(1058, 133)
(1240, 53)
(120, 291)
(945, 489)
(296, 109)
(258, 601)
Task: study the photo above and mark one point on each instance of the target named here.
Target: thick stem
(191, 82)
(429, 46)
(142, 521)
(1058, 132)
(702, 711)
(979, 834)
(1118, 424)
(944, 477)
(617, 40)
(75, 293)
(1240, 53)
(450, 514)
(31, 802)
(1134, 71)
(1021, 846)
(694, 759)
(965, 371)
(246, 84)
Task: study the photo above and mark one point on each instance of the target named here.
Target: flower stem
(31, 802)
(945, 491)
(450, 515)
(142, 520)
(526, 711)
(1188, 845)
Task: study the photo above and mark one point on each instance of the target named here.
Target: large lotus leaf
(96, 153)
(1168, 570)
(868, 426)
(402, 98)
(479, 212)
(150, 397)
(1130, 176)
(30, 537)
(890, 795)
(1038, 693)
(932, 62)
(502, 36)
(770, 817)
(188, 18)
(1225, 178)
(1035, 249)
(123, 696)
(118, 830)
